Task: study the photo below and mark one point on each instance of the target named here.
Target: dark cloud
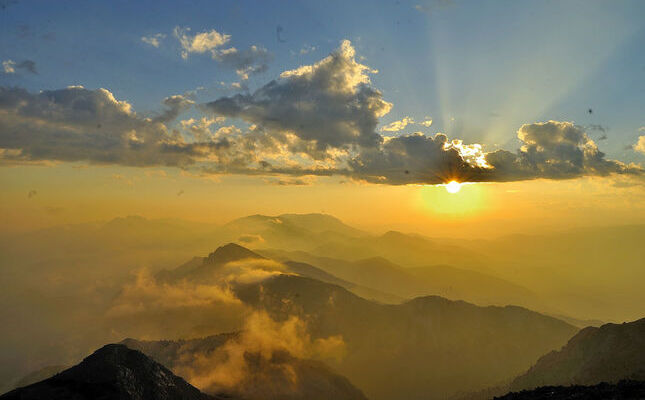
(77, 124)
(414, 158)
(11, 67)
(251, 61)
(329, 103)
(554, 150)
(175, 105)
(28, 66)
(317, 120)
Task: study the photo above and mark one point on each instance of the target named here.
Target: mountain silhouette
(608, 353)
(112, 372)
(623, 390)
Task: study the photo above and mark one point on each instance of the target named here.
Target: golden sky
(40, 196)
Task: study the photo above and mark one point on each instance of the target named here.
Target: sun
(453, 186)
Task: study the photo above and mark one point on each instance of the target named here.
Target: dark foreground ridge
(112, 372)
(623, 390)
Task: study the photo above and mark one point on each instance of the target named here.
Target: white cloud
(398, 125)
(640, 144)
(427, 122)
(9, 67)
(245, 62)
(154, 40)
(201, 42)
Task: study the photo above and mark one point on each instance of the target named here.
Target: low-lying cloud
(258, 358)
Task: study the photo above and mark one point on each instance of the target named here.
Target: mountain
(429, 347)
(112, 372)
(442, 280)
(205, 269)
(277, 376)
(39, 375)
(609, 353)
(408, 250)
(292, 231)
(623, 390)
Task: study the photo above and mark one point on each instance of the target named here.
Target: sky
(212, 110)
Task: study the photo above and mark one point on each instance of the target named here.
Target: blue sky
(478, 69)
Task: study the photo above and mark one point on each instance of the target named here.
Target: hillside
(427, 347)
(623, 390)
(274, 376)
(113, 372)
(609, 353)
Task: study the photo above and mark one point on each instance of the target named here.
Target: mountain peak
(230, 252)
(112, 372)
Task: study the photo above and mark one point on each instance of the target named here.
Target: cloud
(253, 60)
(145, 295)
(398, 125)
(11, 67)
(554, 150)
(306, 49)
(640, 144)
(199, 43)
(77, 124)
(154, 40)
(427, 122)
(316, 120)
(261, 355)
(429, 6)
(329, 103)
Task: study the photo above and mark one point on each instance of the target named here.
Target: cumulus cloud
(554, 150)
(253, 60)
(640, 144)
(154, 40)
(77, 124)
(329, 103)
(316, 120)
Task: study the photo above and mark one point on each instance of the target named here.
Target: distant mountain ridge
(113, 372)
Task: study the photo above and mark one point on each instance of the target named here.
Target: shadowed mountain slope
(609, 353)
(623, 390)
(112, 372)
